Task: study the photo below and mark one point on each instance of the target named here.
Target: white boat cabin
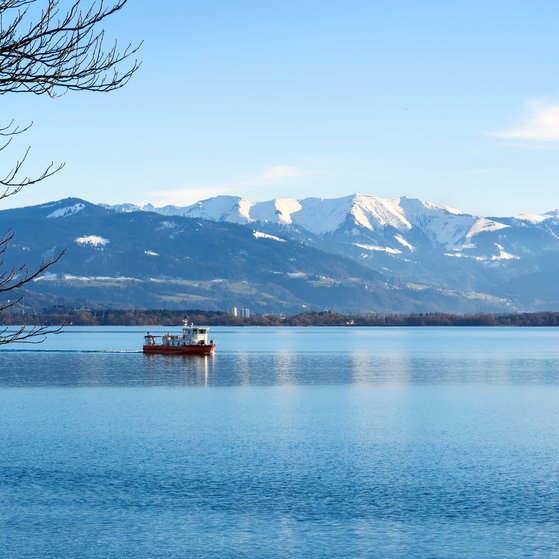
(191, 335)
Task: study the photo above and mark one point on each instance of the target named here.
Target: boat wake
(26, 350)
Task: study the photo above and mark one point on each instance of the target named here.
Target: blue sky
(451, 102)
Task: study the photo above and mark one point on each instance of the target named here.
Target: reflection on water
(67, 369)
(196, 370)
(74, 369)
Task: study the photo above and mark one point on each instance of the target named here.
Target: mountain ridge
(359, 253)
(397, 226)
(326, 215)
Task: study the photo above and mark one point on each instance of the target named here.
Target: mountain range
(359, 253)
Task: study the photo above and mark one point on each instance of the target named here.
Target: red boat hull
(179, 350)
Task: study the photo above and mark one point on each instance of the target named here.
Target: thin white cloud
(541, 124)
(281, 172)
(277, 175)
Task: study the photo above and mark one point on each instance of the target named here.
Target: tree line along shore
(323, 318)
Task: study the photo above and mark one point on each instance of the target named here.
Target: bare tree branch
(48, 50)
(13, 182)
(13, 278)
(56, 52)
(35, 334)
(16, 277)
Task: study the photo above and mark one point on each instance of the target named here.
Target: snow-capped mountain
(359, 253)
(443, 226)
(365, 227)
(412, 240)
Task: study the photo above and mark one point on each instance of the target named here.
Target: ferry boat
(194, 341)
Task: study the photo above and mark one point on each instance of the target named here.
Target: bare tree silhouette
(49, 49)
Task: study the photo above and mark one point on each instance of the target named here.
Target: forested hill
(174, 318)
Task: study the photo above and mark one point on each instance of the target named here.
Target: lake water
(296, 442)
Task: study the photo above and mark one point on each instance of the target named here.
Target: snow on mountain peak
(220, 208)
(127, 208)
(440, 207)
(383, 211)
(319, 215)
(68, 210)
(285, 207)
(441, 224)
(483, 225)
(533, 218)
(413, 207)
(244, 206)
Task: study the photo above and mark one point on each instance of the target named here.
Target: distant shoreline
(78, 317)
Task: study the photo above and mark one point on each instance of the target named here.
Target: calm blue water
(388, 443)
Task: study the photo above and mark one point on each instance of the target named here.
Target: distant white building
(243, 312)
